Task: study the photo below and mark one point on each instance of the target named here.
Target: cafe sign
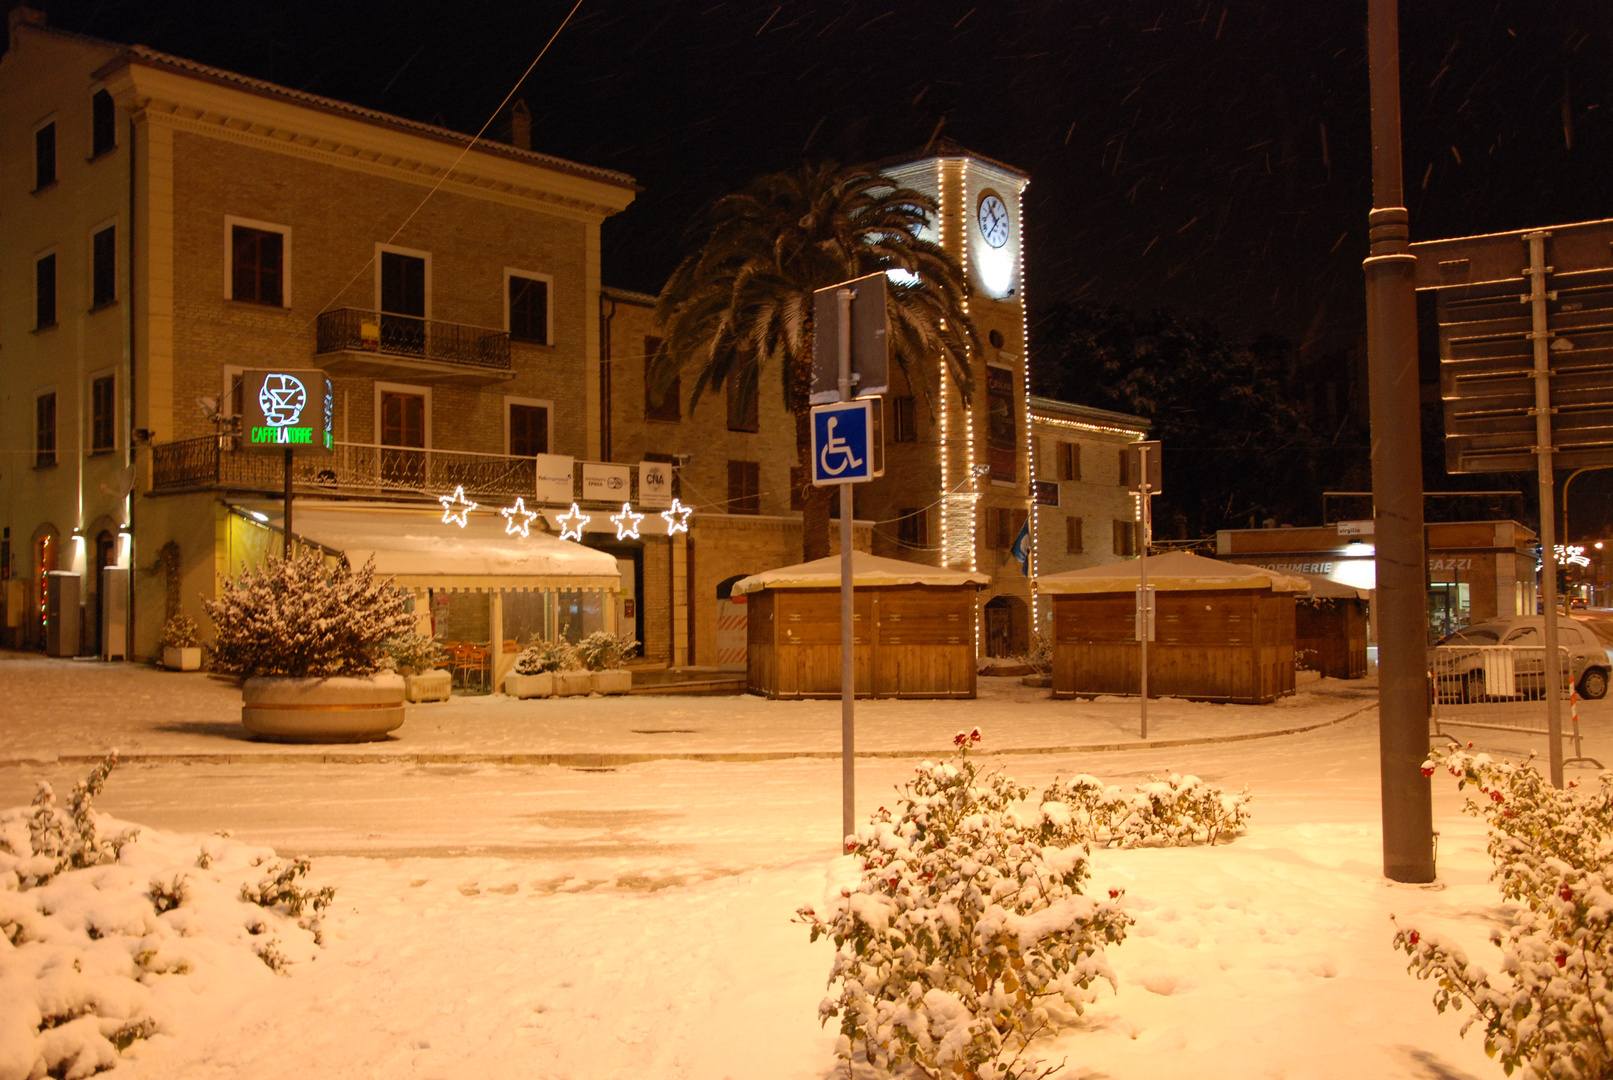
(286, 409)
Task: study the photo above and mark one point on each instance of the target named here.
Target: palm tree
(743, 301)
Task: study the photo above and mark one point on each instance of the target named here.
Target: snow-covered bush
(414, 653)
(1548, 1012)
(962, 932)
(542, 656)
(603, 650)
(100, 922)
(1173, 811)
(1040, 656)
(302, 617)
(179, 632)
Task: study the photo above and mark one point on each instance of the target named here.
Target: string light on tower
(518, 519)
(677, 518)
(461, 515)
(626, 523)
(571, 523)
(1030, 434)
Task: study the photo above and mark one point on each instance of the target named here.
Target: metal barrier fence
(1501, 688)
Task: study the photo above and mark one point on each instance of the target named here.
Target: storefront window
(1449, 607)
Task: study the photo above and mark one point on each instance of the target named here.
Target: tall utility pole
(1397, 488)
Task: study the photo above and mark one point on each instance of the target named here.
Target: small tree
(1549, 1011)
(303, 617)
(546, 656)
(603, 650)
(179, 632)
(414, 653)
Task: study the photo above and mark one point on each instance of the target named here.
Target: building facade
(174, 227)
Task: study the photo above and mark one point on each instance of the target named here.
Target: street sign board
(843, 443)
(870, 355)
(654, 484)
(1134, 470)
(286, 409)
(1487, 368)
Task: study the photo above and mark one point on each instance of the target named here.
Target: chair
(476, 660)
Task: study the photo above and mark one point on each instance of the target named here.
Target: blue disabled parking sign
(842, 442)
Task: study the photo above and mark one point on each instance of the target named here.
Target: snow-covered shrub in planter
(102, 926)
(533, 674)
(1548, 1012)
(308, 638)
(1174, 811)
(415, 656)
(602, 653)
(961, 932)
(180, 649)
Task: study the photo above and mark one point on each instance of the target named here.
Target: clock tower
(958, 471)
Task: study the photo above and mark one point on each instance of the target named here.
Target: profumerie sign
(285, 409)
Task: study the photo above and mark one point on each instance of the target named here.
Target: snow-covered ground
(633, 920)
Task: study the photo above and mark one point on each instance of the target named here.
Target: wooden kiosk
(914, 625)
(1222, 632)
(1330, 625)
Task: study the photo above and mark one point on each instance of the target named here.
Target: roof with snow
(866, 570)
(417, 549)
(1177, 571)
(1327, 589)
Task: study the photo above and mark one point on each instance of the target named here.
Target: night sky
(1209, 158)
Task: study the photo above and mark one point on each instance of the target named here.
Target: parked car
(1458, 674)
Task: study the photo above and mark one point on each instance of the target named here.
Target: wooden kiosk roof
(866, 570)
(1177, 571)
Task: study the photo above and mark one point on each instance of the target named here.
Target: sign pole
(286, 524)
(848, 658)
(1548, 514)
(1145, 603)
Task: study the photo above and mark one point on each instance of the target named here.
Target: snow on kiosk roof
(1178, 571)
(419, 551)
(866, 570)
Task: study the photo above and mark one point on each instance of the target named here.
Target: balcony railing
(429, 341)
(364, 469)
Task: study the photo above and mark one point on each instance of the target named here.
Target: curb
(581, 760)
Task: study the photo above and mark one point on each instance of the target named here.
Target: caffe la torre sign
(286, 410)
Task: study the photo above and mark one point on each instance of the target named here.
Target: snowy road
(633, 921)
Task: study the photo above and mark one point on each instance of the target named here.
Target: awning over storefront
(1327, 589)
(1177, 571)
(867, 570)
(418, 550)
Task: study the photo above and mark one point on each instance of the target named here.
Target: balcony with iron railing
(380, 345)
(360, 470)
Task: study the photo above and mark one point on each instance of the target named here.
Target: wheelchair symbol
(834, 444)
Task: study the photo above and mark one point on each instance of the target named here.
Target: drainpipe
(605, 319)
(128, 406)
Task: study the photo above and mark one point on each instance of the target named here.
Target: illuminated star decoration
(571, 523)
(511, 515)
(626, 523)
(457, 499)
(677, 518)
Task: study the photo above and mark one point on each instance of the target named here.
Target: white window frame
(230, 222)
(56, 449)
(89, 261)
(40, 256)
(414, 253)
(539, 402)
(406, 388)
(33, 149)
(89, 409)
(96, 88)
(548, 298)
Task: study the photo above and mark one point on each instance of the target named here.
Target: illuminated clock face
(993, 221)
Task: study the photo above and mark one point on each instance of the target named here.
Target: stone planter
(529, 686)
(434, 685)
(573, 683)
(182, 658)
(611, 681)
(341, 709)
